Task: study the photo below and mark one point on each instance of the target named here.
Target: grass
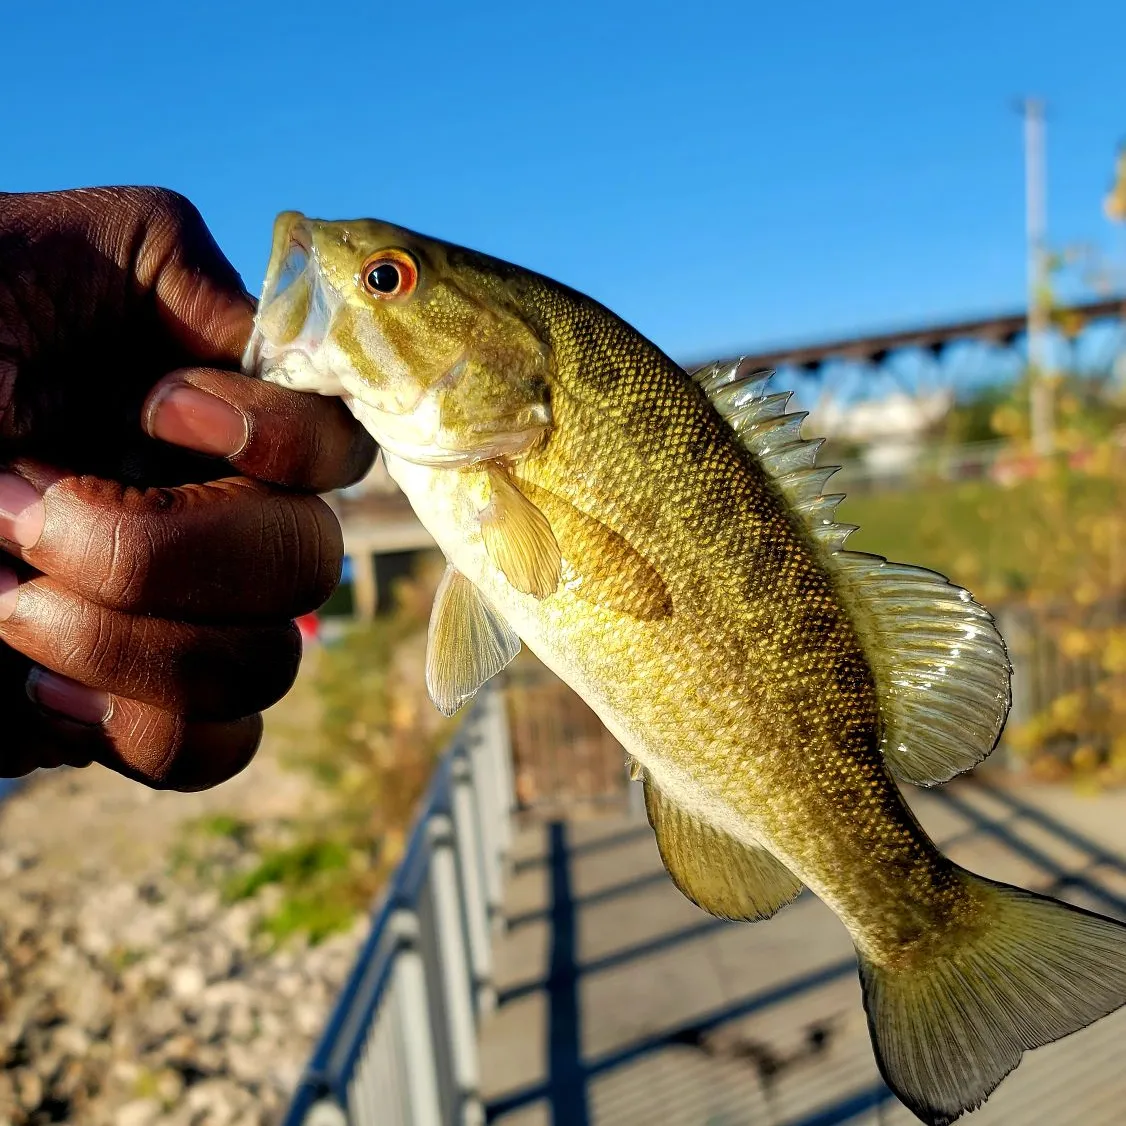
(291, 867)
(990, 538)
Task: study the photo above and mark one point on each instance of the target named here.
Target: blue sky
(724, 175)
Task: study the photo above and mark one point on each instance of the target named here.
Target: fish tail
(948, 1025)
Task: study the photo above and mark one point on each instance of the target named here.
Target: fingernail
(186, 416)
(21, 511)
(9, 593)
(66, 697)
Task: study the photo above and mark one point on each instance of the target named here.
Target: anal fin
(719, 874)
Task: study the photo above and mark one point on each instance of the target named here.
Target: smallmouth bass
(663, 541)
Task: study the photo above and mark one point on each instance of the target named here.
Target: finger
(288, 437)
(160, 749)
(233, 549)
(205, 672)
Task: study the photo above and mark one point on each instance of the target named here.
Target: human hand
(155, 505)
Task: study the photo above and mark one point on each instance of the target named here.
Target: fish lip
(262, 357)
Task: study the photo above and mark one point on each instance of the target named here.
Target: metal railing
(400, 1048)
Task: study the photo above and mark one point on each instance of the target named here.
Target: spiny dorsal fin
(738, 391)
(467, 643)
(941, 669)
(723, 876)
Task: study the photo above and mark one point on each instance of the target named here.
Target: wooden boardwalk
(621, 1004)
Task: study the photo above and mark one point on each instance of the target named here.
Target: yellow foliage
(1066, 710)
(1010, 421)
(1074, 588)
(1114, 651)
(1077, 643)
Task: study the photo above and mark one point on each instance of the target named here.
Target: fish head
(422, 340)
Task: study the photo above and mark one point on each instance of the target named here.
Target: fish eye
(390, 273)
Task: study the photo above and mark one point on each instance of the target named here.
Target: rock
(139, 1112)
(241, 1023)
(129, 997)
(187, 982)
(290, 985)
(29, 1089)
(72, 1040)
(217, 1102)
(308, 1018)
(160, 1020)
(169, 1086)
(147, 928)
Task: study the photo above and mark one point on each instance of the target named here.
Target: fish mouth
(295, 315)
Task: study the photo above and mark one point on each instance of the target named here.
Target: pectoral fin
(718, 873)
(519, 539)
(468, 642)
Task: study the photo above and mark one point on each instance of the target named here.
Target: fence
(400, 1048)
(564, 758)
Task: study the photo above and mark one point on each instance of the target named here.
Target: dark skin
(159, 528)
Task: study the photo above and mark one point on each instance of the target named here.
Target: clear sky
(724, 175)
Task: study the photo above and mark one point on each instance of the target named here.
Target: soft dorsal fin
(720, 874)
(467, 643)
(940, 666)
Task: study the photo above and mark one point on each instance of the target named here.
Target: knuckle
(124, 560)
(96, 646)
(306, 544)
(168, 208)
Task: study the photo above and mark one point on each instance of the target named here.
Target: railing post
(325, 1113)
(495, 733)
(469, 828)
(454, 964)
(416, 1036)
(491, 815)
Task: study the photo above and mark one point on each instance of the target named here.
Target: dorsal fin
(738, 391)
(940, 666)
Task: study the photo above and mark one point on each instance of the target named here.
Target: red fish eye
(391, 273)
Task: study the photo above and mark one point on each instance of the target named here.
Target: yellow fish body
(662, 541)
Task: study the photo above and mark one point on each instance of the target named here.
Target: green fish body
(663, 542)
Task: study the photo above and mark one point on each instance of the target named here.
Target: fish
(665, 541)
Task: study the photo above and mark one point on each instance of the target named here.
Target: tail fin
(946, 1032)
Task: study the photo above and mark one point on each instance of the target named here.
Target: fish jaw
(420, 438)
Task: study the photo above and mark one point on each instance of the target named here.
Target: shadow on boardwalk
(621, 1003)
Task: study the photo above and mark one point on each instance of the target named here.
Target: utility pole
(1041, 406)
